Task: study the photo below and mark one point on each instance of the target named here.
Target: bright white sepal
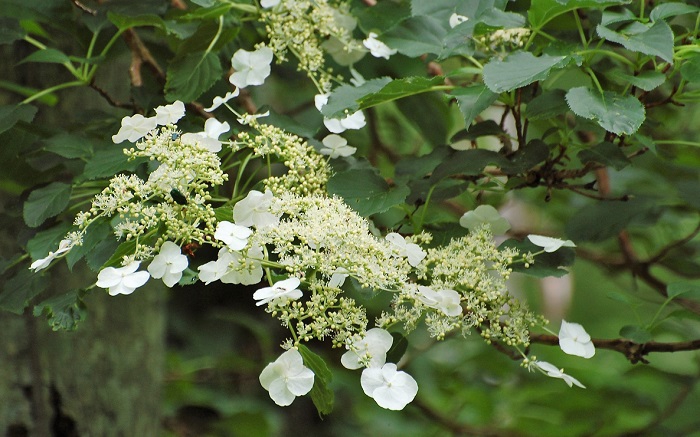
(213, 128)
(374, 346)
(390, 388)
(170, 114)
(168, 264)
(251, 68)
(549, 244)
(234, 236)
(279, 293)
(134, 128)
(122, 280)
(218, 101)
(63, 247)
(456, 19)
(254, 210)
(378, 48)
(552, 371)
(287, 377)
(447, 301)
(335, 146)
(574, 340)
(405, 248)
(485, 214)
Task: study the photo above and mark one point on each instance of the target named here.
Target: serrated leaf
(434, 129)
(345, 97)
(69, 146)
(543, 11)
(468, 162)
(657, 40)
(690, 70)
(518, 70)
(472, 101)
(19, 290)
(617, 16)
(366, 192)
(107, 163)
(549, 104)
(481, 129)
(646, 80)
(672, 9)
(51, 56)
(399, 88)
(606, 219)
(417, 36)
(95, 233)
(622, 115)
(636, 333)
(126, 21)
(11, 114)
(322, 396)
(224, 213)
(605, 153)
(383, 16)
(125, 249)
(46, 202)
(64, 312)
(97, 257)
(188, 77)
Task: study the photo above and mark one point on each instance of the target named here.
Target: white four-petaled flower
(335, 146)
(549, 244)
(370, 350)
(447, 301)
(134, 128)
(390, 388)
(63, 247)
(356, 120)
(170, 114)
(279, 293)
(254, 210)
(209, 138)
(484, 214)
(234, 236)
(552, 371)
(251, 68)
(377, 48)
(168, 264)
(287, 377)
(122, 280)
(405, 248)
(574, 340)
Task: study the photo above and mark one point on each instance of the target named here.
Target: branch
(459, 428)
(110, 99)
(140, 55)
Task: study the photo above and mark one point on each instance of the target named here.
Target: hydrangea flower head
(122, 280)
(251, 68)
(287, 377)
(574, 340)
(168, 264)
(390, 388)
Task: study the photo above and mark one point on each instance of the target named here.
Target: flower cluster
(503, 38)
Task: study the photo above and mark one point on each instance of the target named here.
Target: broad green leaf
(366, 192)
(19, 290)
(96, 233)
(434, 129)
(690, 70)
(107, 163)
(48, 56)
(472, 101)
(469, 163)
(69, 146)
(400, 88)
(11, 114)
(636, 333)
(646, 80)
(201, 39)
(188, 77)
(620, 297)
(527, 157)
(224, 213)
(676, 289)
(543, 11)
(549, 104)
(603, 220)
(346, 97)
(398, 348)
(383, 16)
(417, 36)
(622, 115)
(417, 167)
(125, 21)
(546, 264)
(477, 130)
(64, 312)
(518, 70)
(322, 396)
(656, 40)
(623, 15)
(10, 30)
(99, 256)
(46, 202)
(672, 9)
(605, 153)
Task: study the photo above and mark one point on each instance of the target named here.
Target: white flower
(548, 243)
(209, 138)
(335, 146)
(456, 19)
(168, 264)
(134, 128)
(248, 118)
(551, 371)
(215, 270)
(235, 236)
(391, 389)
(254, 210)
(279, 293)
(405, 248)
(63, 247)
(122, 280)
(377, 48)
(170, 114)
(251, 68)
(485, 214)
(269, 3)
(321, 100)
(372, 347)
(218, 101)
(245, 270)
(287, 377)
(338, 277)
(447, 301)
(574, 340)
(356, 120)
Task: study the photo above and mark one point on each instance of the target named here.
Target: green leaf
(69, 146)
(472, 101)
(96, 233)
(605, 153)
(64, 312)
(468, 162)
(188, 77)
(19, 290)
(10, 30)
(125, 248)
(622, 16)
(365, 191)
(656, 40)
(518, 70)
(546, 264)
(400, 88)
(543, 11)
(45, 241)
(549, 104)
(107, 163)
(124, 22)
(398, 348)
(322, 396)
(383, 16)
(603, 220)
(434, 129)
(224, 213)
(11, 114)
(417, 167)
(481, 129)
(417, 36)
(618, 114)
(346, 97)
(46, 202)
(646, 80)
(527, 157)
(690, 70)
(636, 333)
(672, 9)
(676, 289)
(47, 56)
